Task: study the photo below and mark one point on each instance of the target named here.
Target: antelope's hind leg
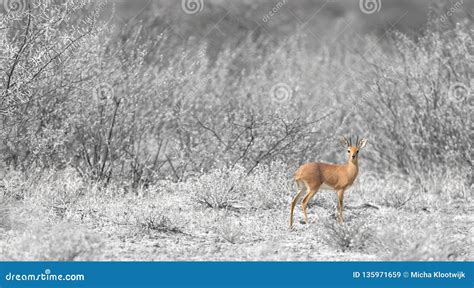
(295, 200)
(311, 191)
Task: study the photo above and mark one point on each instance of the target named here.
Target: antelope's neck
(352, 169)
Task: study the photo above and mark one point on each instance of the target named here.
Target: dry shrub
(220, 188)
(269, 186)
(156, 221)
(230, 229)
(350, 236)
(424, 237)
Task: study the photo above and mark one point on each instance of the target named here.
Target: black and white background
(170, 130)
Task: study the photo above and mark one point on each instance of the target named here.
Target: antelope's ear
(344, 142)
(362, 143)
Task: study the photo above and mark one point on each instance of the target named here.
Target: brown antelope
(317, 175)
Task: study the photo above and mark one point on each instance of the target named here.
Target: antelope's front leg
(340, 200)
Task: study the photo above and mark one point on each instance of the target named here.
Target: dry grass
(168, 223)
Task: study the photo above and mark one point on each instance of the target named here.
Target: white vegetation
(129, 142)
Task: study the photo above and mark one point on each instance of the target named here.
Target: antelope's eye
(348, 151)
